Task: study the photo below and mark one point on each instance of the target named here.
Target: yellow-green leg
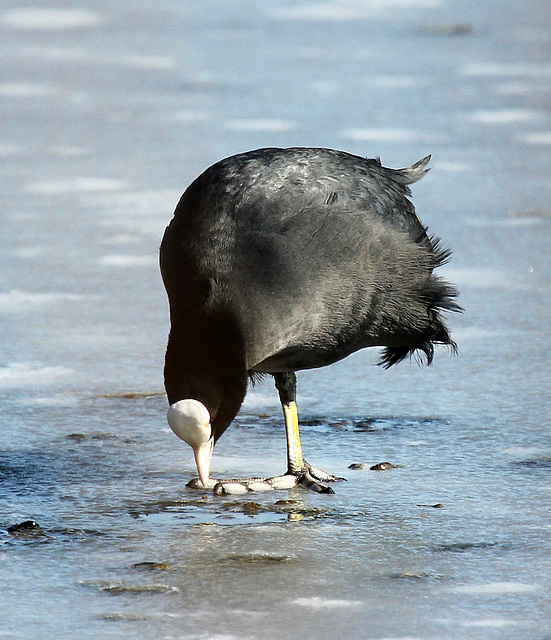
(298, 470)
(295, 459)
(286, 384)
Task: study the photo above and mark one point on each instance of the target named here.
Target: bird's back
(312, 253)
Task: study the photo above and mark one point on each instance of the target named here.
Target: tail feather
(440, 297)
(412, 174)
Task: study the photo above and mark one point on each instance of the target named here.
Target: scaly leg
(309, 476)
(298, 470)
(286, 385)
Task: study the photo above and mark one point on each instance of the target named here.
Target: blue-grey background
(108, 110)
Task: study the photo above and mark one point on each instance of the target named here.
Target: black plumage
(279, 260)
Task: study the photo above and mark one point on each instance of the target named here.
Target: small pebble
(117, 589)
(251, 508)
(447, 29)
(77, 437)
(410, 575)
(26, 529)
(151, 566)
(295, 517)
(382, 466)
(257, 558)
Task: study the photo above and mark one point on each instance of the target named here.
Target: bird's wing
(359, 185)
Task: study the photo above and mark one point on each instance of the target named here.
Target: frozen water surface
(108, 112)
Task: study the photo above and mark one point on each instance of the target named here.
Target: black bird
(279, 260)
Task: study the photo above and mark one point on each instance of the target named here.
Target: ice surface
(38, 18)
(388, 135)
(109, 110)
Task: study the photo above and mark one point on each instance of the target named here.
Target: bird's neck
(214, 374)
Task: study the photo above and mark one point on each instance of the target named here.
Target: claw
(310, 483)
(323, 476)
(195, 483)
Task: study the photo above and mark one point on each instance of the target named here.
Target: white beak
(203, 457)
(190, 421)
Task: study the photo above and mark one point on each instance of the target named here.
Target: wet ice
(108, 113)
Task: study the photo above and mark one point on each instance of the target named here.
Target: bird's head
(191, 421)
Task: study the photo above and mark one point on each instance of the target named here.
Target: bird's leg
(298, 470)
(308, 475)
(286, 385)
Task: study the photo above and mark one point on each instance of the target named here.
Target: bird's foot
(321, 475)
(310, 477)
(313, 478)
(244, 485)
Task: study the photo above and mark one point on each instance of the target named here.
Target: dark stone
(382, 466)
(26, 529)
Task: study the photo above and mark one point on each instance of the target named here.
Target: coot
(279, 260)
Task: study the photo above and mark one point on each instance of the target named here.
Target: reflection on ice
(39, 19)
(528, 451)
(260, 125)
(326, 603)
(490, 623)
(495, 587)
(538, 137)
(505, 116)
(29, 90)
(395, 82)
(319, 11)
(22, 374)
(77, 56)
(506, 69)
(57, 400)
(122, 239)
(465, 335)
(69, 150)
(390, 135)
(129, 261)
(521, 88)
(9, 150)
(53, 187)
(346, 9)
(16, 301)
(147, 62)
(188, 116)
(480, 277)
(136, 203)
(452, 166)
